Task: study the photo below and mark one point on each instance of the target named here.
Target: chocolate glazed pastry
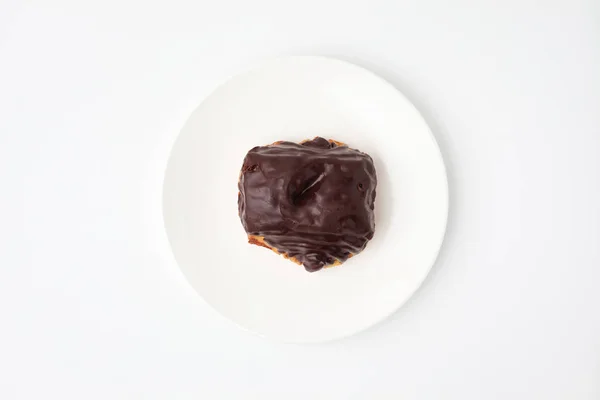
(312, 202)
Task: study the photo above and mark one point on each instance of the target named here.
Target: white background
(93, 94)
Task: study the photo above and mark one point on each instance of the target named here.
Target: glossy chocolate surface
(312, 201)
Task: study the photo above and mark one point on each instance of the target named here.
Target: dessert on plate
(312, 202)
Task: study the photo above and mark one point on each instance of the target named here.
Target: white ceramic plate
(293, 99)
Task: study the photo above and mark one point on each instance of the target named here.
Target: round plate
(293, 99)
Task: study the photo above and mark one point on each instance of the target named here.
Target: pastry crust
(260, 241)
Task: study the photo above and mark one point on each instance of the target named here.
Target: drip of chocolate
(313, 202)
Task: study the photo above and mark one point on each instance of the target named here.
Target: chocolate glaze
(312, 201)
